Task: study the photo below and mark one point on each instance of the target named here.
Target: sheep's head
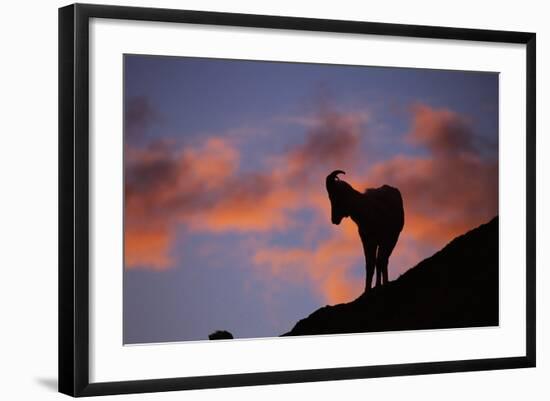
(338, 191)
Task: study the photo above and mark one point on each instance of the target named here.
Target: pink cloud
(450, 190)
(447, 190)
(201, 186)
(163, 186)
(326, 267)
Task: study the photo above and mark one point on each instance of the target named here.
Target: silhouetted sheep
(379, 215)
(220, 335)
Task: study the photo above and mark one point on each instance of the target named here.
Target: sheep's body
(379, 215)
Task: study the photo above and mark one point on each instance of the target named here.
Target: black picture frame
(74, 202)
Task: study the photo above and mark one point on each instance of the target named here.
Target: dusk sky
(227, 219)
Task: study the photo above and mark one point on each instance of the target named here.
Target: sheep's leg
(369, 248)
(370, 266)
(385, 273)
(381, 267)
(382, 260)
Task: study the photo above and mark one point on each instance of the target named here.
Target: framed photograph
(251, 199)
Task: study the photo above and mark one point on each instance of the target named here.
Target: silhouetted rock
(456, 287)
(220, 335)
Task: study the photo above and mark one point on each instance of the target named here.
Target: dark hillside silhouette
(456, 287)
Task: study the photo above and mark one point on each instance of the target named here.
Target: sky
(226, 216)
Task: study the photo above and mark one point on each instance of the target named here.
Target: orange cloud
(147, 247)
(442, 131)
(201, 186)
(448, 190)
(259, 208)
(326, 267)
(264, 200)
(212, 164)
(162, 186)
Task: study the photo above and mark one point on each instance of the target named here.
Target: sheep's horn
(334, 176)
